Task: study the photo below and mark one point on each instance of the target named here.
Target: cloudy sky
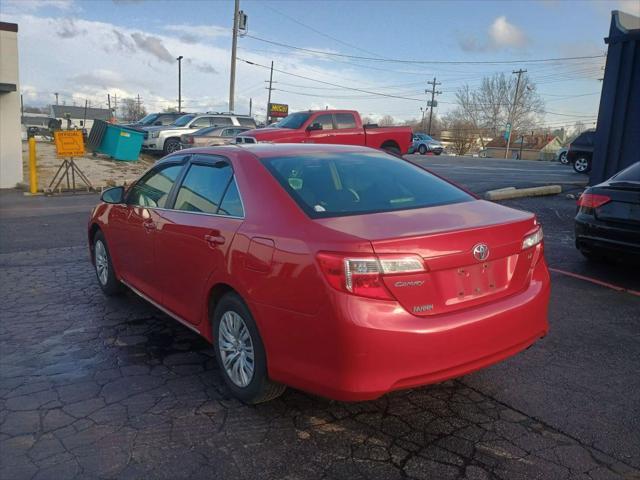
(88, 49)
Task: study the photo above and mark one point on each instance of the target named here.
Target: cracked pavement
(95, 387)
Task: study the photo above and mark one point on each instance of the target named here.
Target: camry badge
(481, 252)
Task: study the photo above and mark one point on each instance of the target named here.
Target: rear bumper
(593, 234)
(375, 347)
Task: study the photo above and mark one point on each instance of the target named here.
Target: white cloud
(500, 35)
(504, 34)
(22, 6)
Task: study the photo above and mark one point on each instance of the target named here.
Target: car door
(195, 234)
(347, 131)
(324, 135)
(133, 227)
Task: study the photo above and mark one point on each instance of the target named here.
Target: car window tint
(325, 120)
(345, 120)
(229, 132)
(203, 187)
(231, 203)
(337, 184)
(153, 189)
(630, 174)
(221, 121)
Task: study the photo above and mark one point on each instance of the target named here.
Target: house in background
(526, 147)
(78, 117)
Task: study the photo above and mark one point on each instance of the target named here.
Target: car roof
(269, 150)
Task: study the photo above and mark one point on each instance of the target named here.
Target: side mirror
(113, 195)
(314, 126)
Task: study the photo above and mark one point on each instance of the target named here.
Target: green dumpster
(118, 142)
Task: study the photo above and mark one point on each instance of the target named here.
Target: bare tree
(386, 120)
(494, 104)
(578, 128)
(132, 110)
(463, 136)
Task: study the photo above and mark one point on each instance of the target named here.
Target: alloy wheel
(102, 262)
(581, 164)
(236, 349)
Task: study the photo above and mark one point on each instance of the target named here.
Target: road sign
(278, 110)
(432, 103)
(69, 143)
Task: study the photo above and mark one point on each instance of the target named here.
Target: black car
(580, 152)
(608, 218)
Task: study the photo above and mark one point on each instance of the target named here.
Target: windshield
(337, 184)
(183, 120)
(630, 174)
(295, 120)
(148, 120)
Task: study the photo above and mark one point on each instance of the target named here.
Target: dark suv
(581, 151)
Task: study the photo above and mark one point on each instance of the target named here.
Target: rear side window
(336, 184)
(231, 203)
(203, 187)
(345, 120)
(221, 121)
(246, 122)
(153, 189)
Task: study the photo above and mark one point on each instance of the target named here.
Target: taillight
(533, 239)
(363, 275)
(592, 200)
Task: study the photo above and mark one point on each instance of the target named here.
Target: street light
(180, 83)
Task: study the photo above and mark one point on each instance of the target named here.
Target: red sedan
(343, 271)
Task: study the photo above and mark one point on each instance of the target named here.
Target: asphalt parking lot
(92, 387)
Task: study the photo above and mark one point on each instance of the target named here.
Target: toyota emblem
(481, 252)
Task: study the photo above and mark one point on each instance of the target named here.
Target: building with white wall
(10, 138)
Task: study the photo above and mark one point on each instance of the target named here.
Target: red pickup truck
(342, 127)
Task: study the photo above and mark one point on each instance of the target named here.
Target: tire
(229, 342)
(422, 149)
(105, 272)
(562, 158)
(582, 165)
(171, 145)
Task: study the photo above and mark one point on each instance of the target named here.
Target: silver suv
(166, 139)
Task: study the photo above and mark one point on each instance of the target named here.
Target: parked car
(210, 136)
(608, 216)
(343, 127)
(561, 155)
(156, 119)
(339, 270)
(423, 144)
(581, 151)
(166, 139)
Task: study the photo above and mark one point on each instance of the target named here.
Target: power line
(439, 62)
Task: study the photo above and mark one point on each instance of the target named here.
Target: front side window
(337, 184)
(203, 187)
(345, 120)
(183, 120)
(247, 122)
(326, 120)
(153, 189)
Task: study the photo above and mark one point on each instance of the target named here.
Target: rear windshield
(630, 174)
(585, 138)
(338, 184)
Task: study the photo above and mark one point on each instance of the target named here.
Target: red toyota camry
(342, 271)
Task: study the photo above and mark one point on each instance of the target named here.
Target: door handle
(214, 239)
(149, 226)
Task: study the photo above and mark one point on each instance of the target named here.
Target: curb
(507, 193)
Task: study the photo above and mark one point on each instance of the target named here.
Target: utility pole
(270, 88)
(250, 105)
(234, 44)
(115, 107)
(433, 94)
(56, 94)
(180, 83)
(139, 112)
(109, 105)
(513, 109)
